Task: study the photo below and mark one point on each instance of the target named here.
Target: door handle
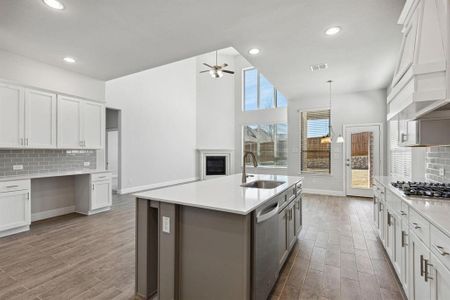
(441, 250)
(421, 265)
(427, 264)
(404, 234)
(264, 217)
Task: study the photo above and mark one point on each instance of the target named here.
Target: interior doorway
(113, 153)
(363, 158)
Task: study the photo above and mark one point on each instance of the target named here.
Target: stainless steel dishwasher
(265, 249)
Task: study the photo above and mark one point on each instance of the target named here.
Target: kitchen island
(216, 239)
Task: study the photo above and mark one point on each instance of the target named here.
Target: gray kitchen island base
(206, 252)
(216, 239)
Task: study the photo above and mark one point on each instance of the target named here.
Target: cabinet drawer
(17, 185)
(394, 202)
(404, 210)
(440, 245)
(298, 188)
(290, 193)
(100, 176)
(420, 226)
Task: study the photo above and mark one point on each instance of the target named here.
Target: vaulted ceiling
(111, 38)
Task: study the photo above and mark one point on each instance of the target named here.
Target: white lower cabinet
(419, 256)
(404, 257)
(15, 208)
(101, 194)
(93, 193)
(418, 250)
(439, 279)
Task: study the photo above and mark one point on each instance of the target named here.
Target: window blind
(314, 156)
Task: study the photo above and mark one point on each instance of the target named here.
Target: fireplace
(215, 163)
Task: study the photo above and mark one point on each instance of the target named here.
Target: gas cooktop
(424, 189)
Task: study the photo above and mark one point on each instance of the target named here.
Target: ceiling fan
(217, 70)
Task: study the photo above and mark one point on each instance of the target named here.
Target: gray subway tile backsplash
(438, 160)
(45, 161)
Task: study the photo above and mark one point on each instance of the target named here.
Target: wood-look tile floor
(338, 255)
(74, 257)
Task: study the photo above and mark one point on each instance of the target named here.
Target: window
(268, 143)
(259, 93)
(315, 156)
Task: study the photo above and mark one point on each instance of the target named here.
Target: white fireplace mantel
(229, 160)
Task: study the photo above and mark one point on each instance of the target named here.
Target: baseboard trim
(323, 192)
(52, 213)
(155, 185)
(14, 230)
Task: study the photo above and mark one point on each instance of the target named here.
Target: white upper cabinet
(420, 84)
(93, 125)
(81, 124)
(35, 119)
(11, 116)
(40, 119)
(69, 123)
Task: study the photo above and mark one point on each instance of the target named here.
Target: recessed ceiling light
(318, 67)
(254, 51)
(333, 30)
(69, 60)
(54, 4)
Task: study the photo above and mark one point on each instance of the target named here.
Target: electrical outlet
(441, 171)
(87, 164)
(17, 167)
(166, 224)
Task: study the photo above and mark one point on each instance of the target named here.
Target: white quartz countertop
(222, 194)
(52, 174)
(436, 211)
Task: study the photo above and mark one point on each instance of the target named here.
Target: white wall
(158, 123)
(267, 116)
(25, 71)
(354, 108)
(215, 105)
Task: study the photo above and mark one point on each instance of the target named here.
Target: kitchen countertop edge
(413, 203)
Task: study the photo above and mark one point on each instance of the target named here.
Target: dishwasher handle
(265, 215)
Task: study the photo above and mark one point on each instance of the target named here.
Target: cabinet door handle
(421, 265)
(416, 226)
(404, 234)
(389, 219)
(441, 250)
(93, 187)
(11, 186)
(427, 264)
(403, 213)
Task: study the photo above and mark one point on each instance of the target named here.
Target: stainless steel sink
(263, 184)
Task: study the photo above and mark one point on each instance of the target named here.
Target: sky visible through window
(318, 128)
(269, 97)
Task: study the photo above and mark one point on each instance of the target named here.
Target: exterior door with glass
(362, 158)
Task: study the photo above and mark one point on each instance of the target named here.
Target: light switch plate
(166, 224)
(87, 164)
(17, 167)
(441, 171)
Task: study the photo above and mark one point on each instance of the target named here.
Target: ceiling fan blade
(227, 71)
(224, 65)
(204, 71)
(209, 66)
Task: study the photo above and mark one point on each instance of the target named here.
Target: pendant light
(328, 138)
